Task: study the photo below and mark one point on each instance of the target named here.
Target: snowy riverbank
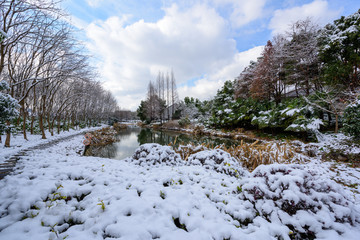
(55, 193)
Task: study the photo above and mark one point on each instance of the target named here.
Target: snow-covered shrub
(351, 120)
(217, 160)
(302, 124)
(183, 122)
(153, 153)
(270, 118)
(299, 199)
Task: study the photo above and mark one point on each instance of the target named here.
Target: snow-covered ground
(55, 194)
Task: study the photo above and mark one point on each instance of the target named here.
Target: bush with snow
(351, 120)
(153, 154)
(299, 199)
(217, 160)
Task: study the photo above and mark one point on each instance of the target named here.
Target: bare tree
(302, 51)
(174, 94)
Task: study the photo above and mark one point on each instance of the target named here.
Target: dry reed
(250, 155)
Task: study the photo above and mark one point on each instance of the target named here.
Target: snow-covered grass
(55, 193)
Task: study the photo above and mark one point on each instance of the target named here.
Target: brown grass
(101, 137)
(118, 126)
(173, 124)
(250, 155)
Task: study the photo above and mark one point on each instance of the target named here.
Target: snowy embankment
(55, 193)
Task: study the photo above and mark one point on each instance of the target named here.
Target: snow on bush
(217, 160)
(352, 120)
(299, 199)
(153, 154)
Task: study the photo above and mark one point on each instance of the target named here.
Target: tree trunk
(32, 125)
(58, 125)
(68, 124)
(8, 135)
(50, 126)
(24, 120)
(336, 123)
(41, 125)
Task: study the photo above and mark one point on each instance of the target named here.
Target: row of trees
(47, 71)
(161, 100)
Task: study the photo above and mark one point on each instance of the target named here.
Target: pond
(131, 138)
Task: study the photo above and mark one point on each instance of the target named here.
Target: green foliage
(294, 115)
(351, 120)
(55, 197)
(102, 204)
(339, 50)
(8, 108)
(162, 195)
(141, 111)
(183, 122)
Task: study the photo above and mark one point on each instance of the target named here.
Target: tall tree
(261, 87)
(244, 81)
(174, 93)
(302, 51)
(340, 51)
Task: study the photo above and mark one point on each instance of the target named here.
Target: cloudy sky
(204, 42)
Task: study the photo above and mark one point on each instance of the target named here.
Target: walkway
(7, 167)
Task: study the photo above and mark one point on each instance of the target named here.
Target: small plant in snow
(102, 204)
(56, 196)
(162, 194)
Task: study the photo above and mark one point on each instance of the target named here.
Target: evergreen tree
(8, 111)
(141, 111)
(340, 51)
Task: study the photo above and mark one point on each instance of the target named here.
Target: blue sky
(205, 42)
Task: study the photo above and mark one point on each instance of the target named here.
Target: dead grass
(100, 137)
(173, 124)
(118, 126)
(250, 155)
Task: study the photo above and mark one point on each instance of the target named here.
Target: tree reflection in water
(131, 138)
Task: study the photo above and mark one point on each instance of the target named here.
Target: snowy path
(9, 163)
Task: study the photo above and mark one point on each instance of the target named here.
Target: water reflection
(131, 138)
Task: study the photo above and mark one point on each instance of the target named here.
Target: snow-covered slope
(55, 193)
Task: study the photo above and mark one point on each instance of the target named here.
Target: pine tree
(340, 51)
(8, 111)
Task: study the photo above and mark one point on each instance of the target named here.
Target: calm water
(131, 138)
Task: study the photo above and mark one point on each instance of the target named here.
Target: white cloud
(318, 10)
(192, 42)
(94, 3)
(243, 11)
(77, 22)
(207, 87)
